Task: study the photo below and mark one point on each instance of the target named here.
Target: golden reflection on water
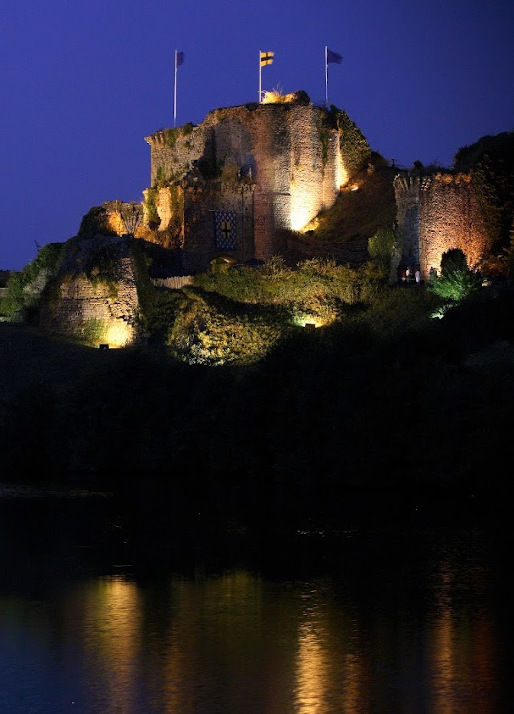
(460, 652)
(212, 621)
(233, 638)
(111, 615)
(330, 670)
(312, 670)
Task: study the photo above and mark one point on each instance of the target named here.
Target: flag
(266, 58)
(180, 58)
(333, 57)
(225, 230)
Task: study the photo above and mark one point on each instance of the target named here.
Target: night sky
(84, 81)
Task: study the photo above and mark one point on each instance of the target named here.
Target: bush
(456, 281)
(25, 287)
(214, 332)
(380, 246)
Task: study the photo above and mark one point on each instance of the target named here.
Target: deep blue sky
(84, 81)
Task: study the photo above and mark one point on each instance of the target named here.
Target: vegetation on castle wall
(165, 178)
(150, 206)
(324, 137)
(24, 287)
(93, 331)
(100, 268)
(491, 163)
(170, 136)
(355, 149)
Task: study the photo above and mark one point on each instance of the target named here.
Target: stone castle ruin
(232, 187)
(229, 186)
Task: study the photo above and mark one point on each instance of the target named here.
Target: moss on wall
(355, 150)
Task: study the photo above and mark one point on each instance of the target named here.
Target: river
(359, 621)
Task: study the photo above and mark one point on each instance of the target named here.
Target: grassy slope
(343, 230)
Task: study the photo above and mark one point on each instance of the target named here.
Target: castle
(232, 187)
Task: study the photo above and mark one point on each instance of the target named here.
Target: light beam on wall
(119, 334)
(303, 207)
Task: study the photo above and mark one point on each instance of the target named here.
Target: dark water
(362, 621)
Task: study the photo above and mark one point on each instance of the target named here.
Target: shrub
(214, 332)
(24, 288)
(380, 246)
(456, 280)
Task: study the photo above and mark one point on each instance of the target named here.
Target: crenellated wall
(436, 213)
(450, 217)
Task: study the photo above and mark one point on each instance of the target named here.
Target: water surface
(358, 622)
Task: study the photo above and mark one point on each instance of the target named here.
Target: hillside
(340, 425)
(343, 231)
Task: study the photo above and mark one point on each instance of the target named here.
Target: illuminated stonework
(275, 165)
(100, 307)
(435, 214)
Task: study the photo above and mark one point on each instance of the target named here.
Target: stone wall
(173, 152)
(103, 304)
(450, 217)
(407, 191)
(200, 205)
(435, 214)
(286, 151)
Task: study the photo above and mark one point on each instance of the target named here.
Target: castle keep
(230, 185)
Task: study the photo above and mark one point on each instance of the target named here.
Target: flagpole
(175, 94)
(326, 77)
(260, 77)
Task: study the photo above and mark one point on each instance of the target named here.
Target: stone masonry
(277, 165)
(435, 214)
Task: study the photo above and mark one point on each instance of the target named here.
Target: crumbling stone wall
(450, 217)
(76, 301)
(286, 150)
(435, 214)
(407, 191)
